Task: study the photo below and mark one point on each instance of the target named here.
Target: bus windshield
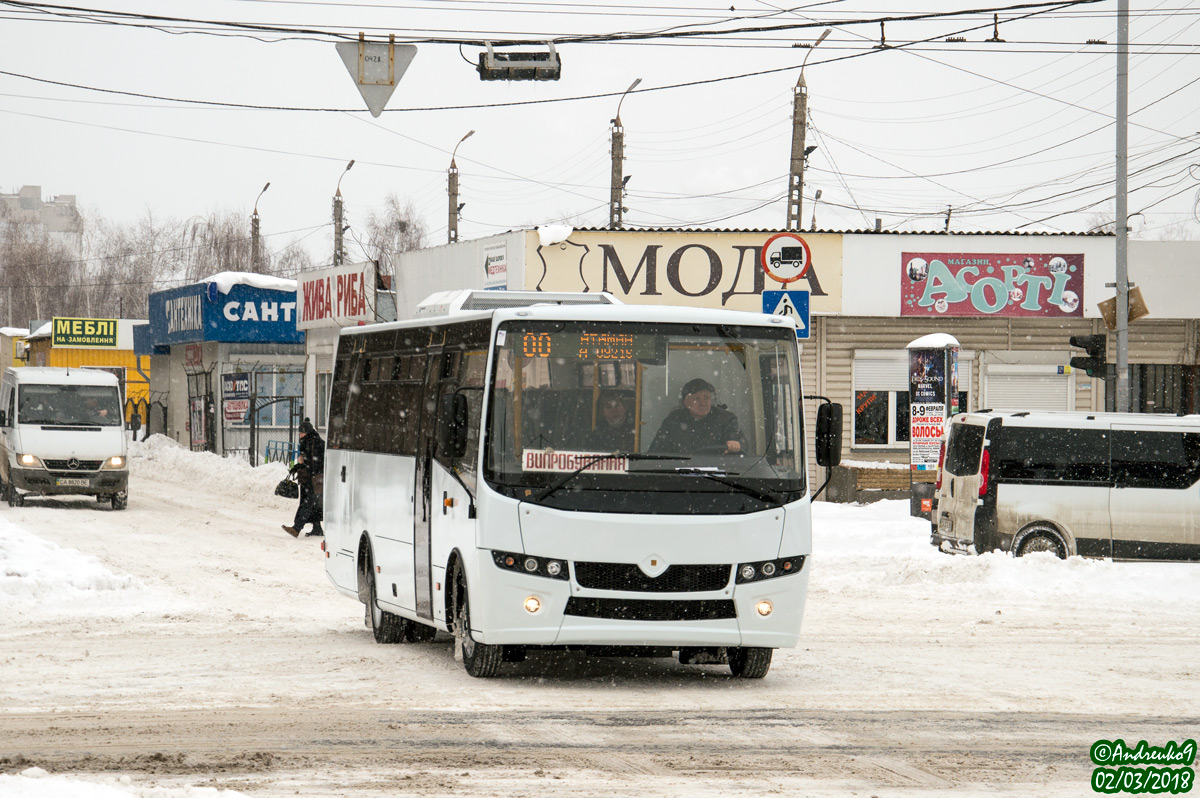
(692, 417)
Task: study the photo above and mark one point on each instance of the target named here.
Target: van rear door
(954, 526)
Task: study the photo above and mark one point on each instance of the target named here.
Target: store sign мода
(980, 284)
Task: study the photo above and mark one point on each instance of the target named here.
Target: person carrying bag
(309, 472)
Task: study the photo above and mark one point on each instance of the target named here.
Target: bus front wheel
(388, 627)
(480, 659)
(749, 663)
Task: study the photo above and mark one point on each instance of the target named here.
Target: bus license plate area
(72, 482)
(945, 524)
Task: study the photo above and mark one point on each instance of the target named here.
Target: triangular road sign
(376, 68)
(788, 308)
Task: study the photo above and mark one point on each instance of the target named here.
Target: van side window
(964, 449)
(1041, 454)
(10, 406)
(1149, 459)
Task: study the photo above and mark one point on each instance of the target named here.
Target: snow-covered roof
(227, 280)
(14, 332)
(933, 341)
(43, 331)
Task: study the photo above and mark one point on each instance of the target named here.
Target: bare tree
(393, 230)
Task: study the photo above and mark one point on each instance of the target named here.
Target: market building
(1011, 300)
(106, 344)
(230, 359)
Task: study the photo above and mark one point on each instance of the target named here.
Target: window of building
(881, 399)
(324, 379)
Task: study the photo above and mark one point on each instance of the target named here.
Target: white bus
(470, 488)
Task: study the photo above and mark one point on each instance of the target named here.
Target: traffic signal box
(1095, 363)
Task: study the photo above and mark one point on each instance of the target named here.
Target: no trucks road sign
(789, 303)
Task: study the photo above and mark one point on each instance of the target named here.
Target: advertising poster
(495, 267)
(933, 397)
(1011, 285)
(235, 392)
(196, 417)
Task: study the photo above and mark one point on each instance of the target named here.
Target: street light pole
(799, 152)
(339, 254)
(616, 211)
(254, 230)
(452, 190)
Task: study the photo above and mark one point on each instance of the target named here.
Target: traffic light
(1094, 364)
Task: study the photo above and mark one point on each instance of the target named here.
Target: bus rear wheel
(480, 659)
(749, 663)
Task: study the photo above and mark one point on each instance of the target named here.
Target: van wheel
(120, 500)
(1042, 541)
(15, 499)
(749, 663)
(388, 627)
(480, 659)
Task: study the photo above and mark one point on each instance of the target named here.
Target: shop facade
(231, 362)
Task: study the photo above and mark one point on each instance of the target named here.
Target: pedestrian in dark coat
(699, 426)
(309, 469)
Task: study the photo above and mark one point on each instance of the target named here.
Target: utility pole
(255, 252)
(452, 191)
(338, 252)
(1122, 206)
(616, 210)
(800, 153)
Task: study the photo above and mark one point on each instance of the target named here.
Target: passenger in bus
(309, 469)
(698, 426)
(614, 427)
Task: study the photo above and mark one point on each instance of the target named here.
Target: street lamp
(452, 192)
(616, 192)
(338, 227)
(254, 250)
(799, 153)
(816, 198)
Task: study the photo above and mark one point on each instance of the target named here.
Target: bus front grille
(649, 610)
(676, 579)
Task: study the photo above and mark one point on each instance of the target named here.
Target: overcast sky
(1017, 134)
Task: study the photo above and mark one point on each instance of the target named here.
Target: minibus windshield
(69, 405)
(678, 408)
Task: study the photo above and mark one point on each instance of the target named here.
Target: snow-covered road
(188, 643)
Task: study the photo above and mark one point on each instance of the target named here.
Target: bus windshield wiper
(591, 461)
(770, 497)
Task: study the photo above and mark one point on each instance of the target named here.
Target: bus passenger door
(423, 491)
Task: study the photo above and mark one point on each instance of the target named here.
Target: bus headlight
(29, 461)
(116, 461)
(768, 569)
(533, 604)
(531, 565)
(764, 608)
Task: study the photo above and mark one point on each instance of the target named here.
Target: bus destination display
(585, 346)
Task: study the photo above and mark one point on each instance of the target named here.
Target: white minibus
(1124, 486)
(62, 432)
(519, 471)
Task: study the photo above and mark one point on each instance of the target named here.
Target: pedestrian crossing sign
(789, 303)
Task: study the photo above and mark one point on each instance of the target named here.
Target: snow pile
(161, 458)
(227, 280)
(551, 234)
(37, 783)
(36, 571)
(879, 547)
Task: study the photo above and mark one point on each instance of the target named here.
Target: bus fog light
(748, 572)
(533, 604)
(764, 608)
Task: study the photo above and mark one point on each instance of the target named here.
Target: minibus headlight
(29, 461)
(768, 569)
(116, 461)
(531, 565)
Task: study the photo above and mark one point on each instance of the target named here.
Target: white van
(1119, 485)
(62, 432)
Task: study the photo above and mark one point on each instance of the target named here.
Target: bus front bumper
(56, 483)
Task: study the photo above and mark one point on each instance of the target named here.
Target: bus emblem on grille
(653, 566)
(73, 464)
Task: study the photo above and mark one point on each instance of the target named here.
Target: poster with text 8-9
(926, 420)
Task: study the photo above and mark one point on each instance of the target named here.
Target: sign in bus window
(587, 346)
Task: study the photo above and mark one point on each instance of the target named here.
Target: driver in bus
(614, 428)
(698, 426)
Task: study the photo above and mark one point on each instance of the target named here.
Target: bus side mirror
(452, 425)
(829, 435)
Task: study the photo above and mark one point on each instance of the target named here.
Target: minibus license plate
(72, 482)
(945, 524)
